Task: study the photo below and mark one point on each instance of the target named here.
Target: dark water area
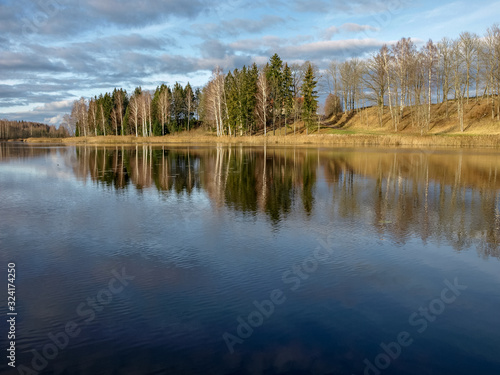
(250, 260)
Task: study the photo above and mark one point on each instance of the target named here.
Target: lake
(250, 260)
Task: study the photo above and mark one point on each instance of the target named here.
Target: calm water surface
(251, 260)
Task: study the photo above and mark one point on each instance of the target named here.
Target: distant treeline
(403, 79)
(26, 129)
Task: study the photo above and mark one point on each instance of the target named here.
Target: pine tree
(178, 105)
(275, 79)
(310, 98)
(287, 93)
(232, 99)
(251, 97)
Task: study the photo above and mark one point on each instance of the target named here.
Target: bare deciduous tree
(460, 79)
(445, 47)
(164, 107)
(430, 55)
(263, 99)
(114, 120)
(189, 103)
(103, 118)
(375, 80)
(467, 48)
(93, 115)
(134, 113)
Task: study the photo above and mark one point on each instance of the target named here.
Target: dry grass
(477, 120)
(314, 139)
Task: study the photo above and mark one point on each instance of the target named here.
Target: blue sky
(54, 51)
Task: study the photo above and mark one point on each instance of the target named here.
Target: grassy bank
(352, 139)
(444, 120)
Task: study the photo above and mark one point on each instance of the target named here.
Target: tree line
(243, 101)
(253, 100)
(407, 80)
(403, 79)
(143, 113)
(26, 129)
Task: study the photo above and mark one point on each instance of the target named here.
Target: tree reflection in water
(449, 194)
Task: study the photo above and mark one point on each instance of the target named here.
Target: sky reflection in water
(205, 231)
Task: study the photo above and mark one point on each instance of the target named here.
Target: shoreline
(396, 140)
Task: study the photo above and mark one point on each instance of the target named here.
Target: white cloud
(328, 33)
(355, 28)
(169, 40)
(54, 106)
(346, 28)
(258, 44)
(55, 120)
(329, 49)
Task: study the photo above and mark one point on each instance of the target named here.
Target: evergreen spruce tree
(250, 92)
(275, 78)
(231, 88)
(310, 98)
(179, 106)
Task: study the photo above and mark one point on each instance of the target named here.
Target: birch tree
(263, 98)
(492, 62)
(375, 81)
(114, 120)
(102, 118)
(189, 102)
(459, 80)
(93, 115)
(148, 104)
(403, 54)
(79, 116)
(445, 50)
(164, 106)
(215, 99)
(467, 48)
(430, 55)
(332, 77)
(119, 98)
(134, 108)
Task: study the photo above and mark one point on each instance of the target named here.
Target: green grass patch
(342, 131)
(352, 132)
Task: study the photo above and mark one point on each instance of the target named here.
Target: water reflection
(450, 195)
(73, 214)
